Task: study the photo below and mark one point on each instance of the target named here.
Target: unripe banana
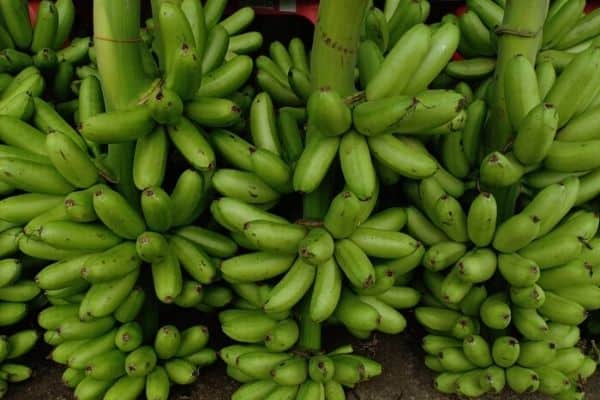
(74, 164)
(529, 323)
(328, 112)
(522, 380)
(293, 371)
(477, 266)
(403, 156)
(437, 319)
(518, 271)
(391, 321)
(546, 76)
(116, 213)
(535, 135)
(516, 232)
(15, 16)
(355, 264)
(291, 288)
(253, 267)
(384, 244)
(446, 382)
(527, 297)
(562, 310)
(369, 61)
(45, 27)
(495, 311)
(32, 177)
(313, 164)
(106, 366)
(157, 384)
(521, 89)
(129, 337)
(400, 63)
(574, 81)
(102, 299)
(118, 126)
(283, 336)
(166, 275)
(111, 264)
(476, 35)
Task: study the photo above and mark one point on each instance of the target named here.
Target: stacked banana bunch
(45, 46)
(510, 296)
(17, 296)
(104, 361)
(275, 375)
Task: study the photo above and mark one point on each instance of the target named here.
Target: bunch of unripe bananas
(288, 202)
(128, 361)
(267, 374)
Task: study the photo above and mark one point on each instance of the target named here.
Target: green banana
(15, 16)
(193, 259)
(529, 323)
(357, 166)
(132, 124)
(253, 267)
(291, 288)
(495, 311)
(400, 63)
(328, 112)
(522, 380)
(116, 213)
(166, 275)
(102, 299)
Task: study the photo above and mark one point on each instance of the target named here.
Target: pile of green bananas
(11, 348)
(509, 295)
(276, 375)
(105, 361)
(18, 296)
(47, 46)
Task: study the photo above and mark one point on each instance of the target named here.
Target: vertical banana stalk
(520, 33)
(117, 42)
(335, 44)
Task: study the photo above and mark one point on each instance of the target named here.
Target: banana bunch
(45, 46)
(400, 15)
(12, 347)
(371, 253)
(17, 296)
(127, 361)
(567, 30)
(503, 300)
(269, 374)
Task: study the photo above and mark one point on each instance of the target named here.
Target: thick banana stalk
(520, 33)
(335, 44)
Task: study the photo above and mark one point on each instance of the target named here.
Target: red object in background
(591, 5)
(34, 6)
(305, 8)
(460, 10)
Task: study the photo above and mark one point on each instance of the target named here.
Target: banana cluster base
(404, 377)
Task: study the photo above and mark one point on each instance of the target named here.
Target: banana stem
(520, 33)
(335, 43)
(117, 41)
(124, 81)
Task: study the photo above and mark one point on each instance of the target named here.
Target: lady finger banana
(291, 288)
(45, 28)
(118, 126)
(521, 88)
(116, 213)
(400, 63)
(444, 42)
(15, 16)
(74, 164)
(536, 134)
